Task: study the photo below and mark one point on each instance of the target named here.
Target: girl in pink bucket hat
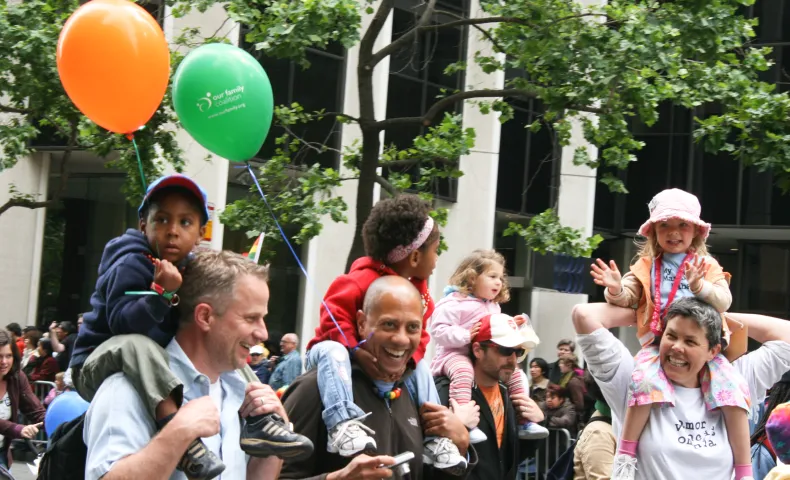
(673, 262)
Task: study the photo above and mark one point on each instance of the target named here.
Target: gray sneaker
(351, 438)
(442, 453)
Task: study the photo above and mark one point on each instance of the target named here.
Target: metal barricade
(42, 388)
(535, 468)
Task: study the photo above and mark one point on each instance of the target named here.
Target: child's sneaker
(350, 438)
(477, 436)
(269, 436)
(624, 467)
(200, 463)
(442, 453)
(531, 431)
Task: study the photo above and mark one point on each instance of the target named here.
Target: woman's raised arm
(589, 317)
(762, 327)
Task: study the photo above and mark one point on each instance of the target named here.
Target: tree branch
(64, 178)
(462, 22)
(387, 186)
(8, 109)
(338, 114)
(317, 147)
(409, 162)
(407, 37)
(427, 119)
(374, 29)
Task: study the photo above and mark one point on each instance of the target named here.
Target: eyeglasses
(506, 351)
(255, 354)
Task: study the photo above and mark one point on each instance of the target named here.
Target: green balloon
(223, 98)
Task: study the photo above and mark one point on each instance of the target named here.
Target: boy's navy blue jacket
(124, 268)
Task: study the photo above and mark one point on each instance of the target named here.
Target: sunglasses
(506, 351)
(255, 354)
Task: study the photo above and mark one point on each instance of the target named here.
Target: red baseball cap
(177, 180)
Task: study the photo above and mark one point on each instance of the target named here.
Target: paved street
(21, 472)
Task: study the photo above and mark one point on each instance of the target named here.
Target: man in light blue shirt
(224, 299)
(289, 366)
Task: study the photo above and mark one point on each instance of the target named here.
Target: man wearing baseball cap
(495, 352)
(259, 364)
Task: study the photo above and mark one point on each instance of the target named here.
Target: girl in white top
(688, 440)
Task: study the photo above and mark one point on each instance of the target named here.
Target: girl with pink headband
(674, 263)
(400, 239)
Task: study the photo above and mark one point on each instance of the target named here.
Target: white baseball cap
(256, 349)
(502, 330)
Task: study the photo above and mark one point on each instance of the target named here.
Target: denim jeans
(422, 387)
(334, 382)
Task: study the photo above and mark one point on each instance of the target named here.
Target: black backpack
(563, 467)
(67, 453)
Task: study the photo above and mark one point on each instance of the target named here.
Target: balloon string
(139, 162)
(293, 252)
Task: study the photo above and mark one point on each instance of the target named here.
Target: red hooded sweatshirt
(346, 295)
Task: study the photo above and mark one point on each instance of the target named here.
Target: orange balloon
(114, 63)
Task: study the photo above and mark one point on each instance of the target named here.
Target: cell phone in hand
(400, 460)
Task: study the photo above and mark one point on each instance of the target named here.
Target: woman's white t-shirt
(687, 440)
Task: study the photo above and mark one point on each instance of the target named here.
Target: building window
(662, 163)
(526, 179)
(316, 88)
(417, 76)
(766, 279)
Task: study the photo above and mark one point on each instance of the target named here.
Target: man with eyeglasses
(289, 364)
(494, 354)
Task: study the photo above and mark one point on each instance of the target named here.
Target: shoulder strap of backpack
(600, 419)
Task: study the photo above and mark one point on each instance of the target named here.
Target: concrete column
(551, 310)
(22, 233)
(209, 170)
(470, 223)
(326, 254)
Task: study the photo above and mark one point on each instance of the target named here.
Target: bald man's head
(289, 342)
(391, 324)
(392, 284)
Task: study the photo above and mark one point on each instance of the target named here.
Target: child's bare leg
(737, 423)
(636, 418)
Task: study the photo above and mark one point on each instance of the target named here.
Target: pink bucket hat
(675, 203)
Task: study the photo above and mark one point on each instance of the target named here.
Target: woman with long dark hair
(763, 456)
(16, 397)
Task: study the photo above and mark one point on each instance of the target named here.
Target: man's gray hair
(210, 277)
(702, 313)
(567, 341)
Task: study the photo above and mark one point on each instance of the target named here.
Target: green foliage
(284, 29)
(545, 234)
(32, 98)
(622, 59)
(298, 197)
(604, 65)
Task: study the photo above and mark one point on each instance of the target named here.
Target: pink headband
(402, 251)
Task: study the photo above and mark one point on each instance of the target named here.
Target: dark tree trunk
(370, 132)
(367, 180)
